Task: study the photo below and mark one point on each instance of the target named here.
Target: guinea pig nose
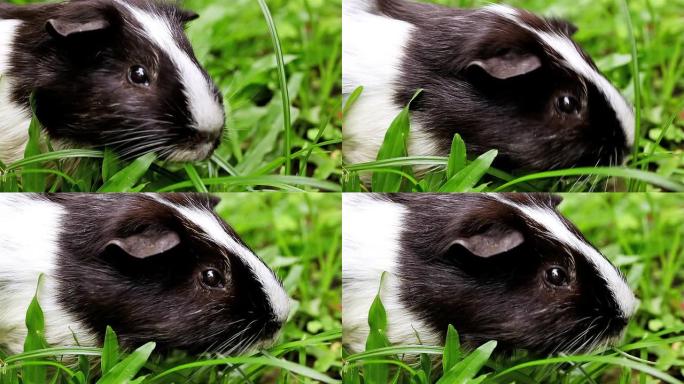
(621, 321)
(210, 137)
(272, 326)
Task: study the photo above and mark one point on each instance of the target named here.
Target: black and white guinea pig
(504, 267)
(117, 73)
(161, 268)
(502, 78)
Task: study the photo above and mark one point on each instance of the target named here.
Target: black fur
(83, 96)
(517, 116)
(504, 297)
(159, 298)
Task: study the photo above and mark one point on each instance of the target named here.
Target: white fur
(370, 239)
(373, 47)
(14, 119)
(573, 60)
(29, 230)
(557, 230)
(203, 104)
(214, 232)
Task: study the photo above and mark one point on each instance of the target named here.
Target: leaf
(33, 182)
(125, 180)
(125, 371)
(470, 175)
(457, 157)
(110, 351)
(195, 178)
(35, 339)
(394, 145)
(351, 100)
(377, 338)
(465, 371)
(110, 164)
(452, 349)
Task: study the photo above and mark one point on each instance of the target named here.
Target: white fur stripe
(215, 232)
(556, 229)
(8, 29)
(203, 104)
(573, 60)
(15, 119)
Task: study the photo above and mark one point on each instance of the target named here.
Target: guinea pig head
(512, 269)
(122, 74)
(506, 79)
(167, 269)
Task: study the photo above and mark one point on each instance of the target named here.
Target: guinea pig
(106, 73)
(502, 78)
(504, 267)
(161, 268)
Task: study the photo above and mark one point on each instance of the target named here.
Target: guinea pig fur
(161, 268)
(504, 267)
(502, 78)
(116, 73)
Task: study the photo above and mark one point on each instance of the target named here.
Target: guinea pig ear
(187, 16)
(507, 65)
(63, 28)
(491, 242)
(148, 243)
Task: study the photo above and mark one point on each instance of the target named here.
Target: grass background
(644, 37)
(643, 234)
(274, 140)
(299, 236)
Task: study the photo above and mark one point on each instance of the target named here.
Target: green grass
(643, 234)
(278, 65)
(644, 37)
(299, 236)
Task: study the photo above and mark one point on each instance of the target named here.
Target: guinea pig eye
(137, 74)
(212, 278)
(568, 104)
(557, 276)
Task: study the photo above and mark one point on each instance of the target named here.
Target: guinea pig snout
(272, 327)
(213, 136)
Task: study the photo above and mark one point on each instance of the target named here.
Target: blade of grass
(33, 182)
(110, 351)
(195, 178)
(266, 361)
(471, 174)
(626, 173)
(57, 155)
(282, 79)
(270, 180)
(394, 145)
(125, 371)
(125, 180)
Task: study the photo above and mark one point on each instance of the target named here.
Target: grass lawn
(274, 139)
(644, 37)
(299, 236)
(643, 234)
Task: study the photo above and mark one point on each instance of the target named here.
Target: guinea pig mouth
(196, 150)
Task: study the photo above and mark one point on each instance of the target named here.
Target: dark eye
(568, 104)
(138, 75)
(212, 278)
(557, 276)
